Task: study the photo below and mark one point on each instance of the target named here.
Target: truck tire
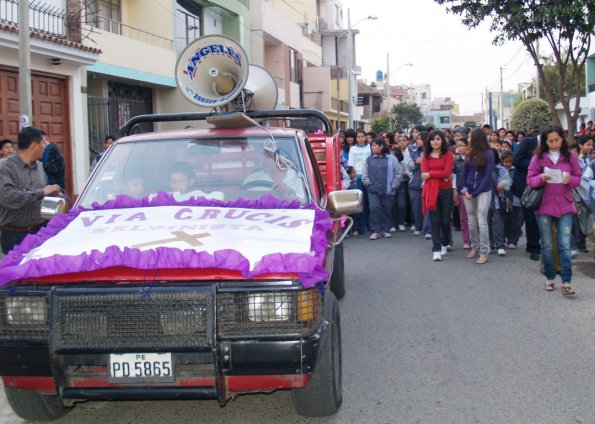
(33, 406)
(324, 393)
(338, 276)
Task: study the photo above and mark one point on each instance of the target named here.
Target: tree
(406, 115)
(568, 86)
(380, 124)
(566, 26)
(532, 113)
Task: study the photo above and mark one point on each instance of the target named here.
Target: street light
(350, 87)
(388, 74)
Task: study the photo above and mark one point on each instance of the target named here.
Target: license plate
(141, 368)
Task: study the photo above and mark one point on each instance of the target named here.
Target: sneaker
(355, 233)
(534, 256)
(573, 253)
(466, 246)
(416, 233)
(584, 251)
(443, 250)
(449, 247)
(436, 256)
(386, 235)
(393, 230)
(428, 236)
(402, 228)
(501, 252)
(511, 246)
(412, 228)
(374, 236)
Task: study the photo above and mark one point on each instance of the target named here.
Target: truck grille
(126, 320)
(270, 312)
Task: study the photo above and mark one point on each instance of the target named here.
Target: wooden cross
(191, 239)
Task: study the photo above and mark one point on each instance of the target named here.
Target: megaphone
(259, 93)
(212, 71)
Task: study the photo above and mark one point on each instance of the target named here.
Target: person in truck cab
(183, 182)
(280, 180)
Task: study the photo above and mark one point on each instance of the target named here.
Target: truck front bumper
(217, 368)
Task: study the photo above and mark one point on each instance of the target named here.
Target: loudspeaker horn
(212, 71)
(259, 93)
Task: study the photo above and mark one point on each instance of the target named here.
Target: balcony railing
(119, 28)
(43, 18)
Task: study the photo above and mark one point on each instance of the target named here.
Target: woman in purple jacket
(555, 169)
(477, 189)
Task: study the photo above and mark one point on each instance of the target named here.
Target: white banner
(252, 232)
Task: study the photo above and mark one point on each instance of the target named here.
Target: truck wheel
(33, 406)
(338, 276)
(324, 393)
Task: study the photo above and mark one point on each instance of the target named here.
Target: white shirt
(357, 157)
(554, 156)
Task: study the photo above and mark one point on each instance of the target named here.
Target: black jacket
(521, 162)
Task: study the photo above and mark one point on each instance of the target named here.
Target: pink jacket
(557, 199)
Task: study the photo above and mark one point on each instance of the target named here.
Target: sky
(458, 62)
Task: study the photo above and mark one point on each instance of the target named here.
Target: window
(189, 23)
(445, 119)
(293, 71)
(424, 96)
(105, 14)
(337, 16)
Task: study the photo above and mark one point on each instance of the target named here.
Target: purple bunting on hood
(309, 267)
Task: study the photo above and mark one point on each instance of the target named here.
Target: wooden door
(50, 111)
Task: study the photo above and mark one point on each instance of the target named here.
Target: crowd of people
(430, 181)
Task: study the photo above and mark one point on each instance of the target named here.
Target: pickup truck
(197, 263)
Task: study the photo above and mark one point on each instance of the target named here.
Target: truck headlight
(26, 310)
(268, 307)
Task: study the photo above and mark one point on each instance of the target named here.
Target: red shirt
(439, 169)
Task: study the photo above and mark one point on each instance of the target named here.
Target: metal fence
(43, 17)
(119, 28)
(108, 115)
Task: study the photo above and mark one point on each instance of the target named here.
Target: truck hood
(249, 237)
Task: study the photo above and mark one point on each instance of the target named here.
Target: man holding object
(23, 185)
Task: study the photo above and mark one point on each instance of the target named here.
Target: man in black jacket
(521, 161)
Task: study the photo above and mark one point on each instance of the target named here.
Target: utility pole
(501, 100)
(387, 82)
(349, 71)
(24, 66)
(490, 110)
(482, 109)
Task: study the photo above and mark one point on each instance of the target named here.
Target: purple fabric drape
(309, 267)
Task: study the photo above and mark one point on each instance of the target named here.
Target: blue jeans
(477, 216)
(415, 202)
(361, 219)
(545, 224)
(401, 203)
(380, 208)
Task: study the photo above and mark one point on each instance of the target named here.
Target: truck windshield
(223, 169)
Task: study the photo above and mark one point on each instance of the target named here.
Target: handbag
(531, 198)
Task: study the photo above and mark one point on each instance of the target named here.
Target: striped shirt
(21, 192)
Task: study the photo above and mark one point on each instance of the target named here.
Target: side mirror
(52, 206)
(345, 202)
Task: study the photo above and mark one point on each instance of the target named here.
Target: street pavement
(430, 342)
